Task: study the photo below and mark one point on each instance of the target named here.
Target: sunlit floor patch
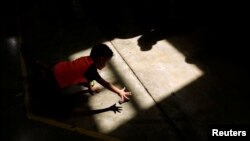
(162, 70)
(173, 67)
(79, 54)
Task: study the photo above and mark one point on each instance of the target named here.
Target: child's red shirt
(75, 72)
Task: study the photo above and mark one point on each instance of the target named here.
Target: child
(84, 70)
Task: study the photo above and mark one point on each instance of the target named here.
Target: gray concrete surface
(185, 74)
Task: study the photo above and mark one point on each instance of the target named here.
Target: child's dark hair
(101, 50)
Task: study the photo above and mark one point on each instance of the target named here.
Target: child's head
(101, 54)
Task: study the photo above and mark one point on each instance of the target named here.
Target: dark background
(59, 26)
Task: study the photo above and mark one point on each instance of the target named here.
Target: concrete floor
(183, 78)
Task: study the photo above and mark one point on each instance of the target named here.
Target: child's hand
(94, 89)
(124, 96)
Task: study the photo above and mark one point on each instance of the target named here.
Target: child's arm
(121, 92)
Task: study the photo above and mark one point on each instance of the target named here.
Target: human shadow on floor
(84, 112)
(64, 106)
(160, 32)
